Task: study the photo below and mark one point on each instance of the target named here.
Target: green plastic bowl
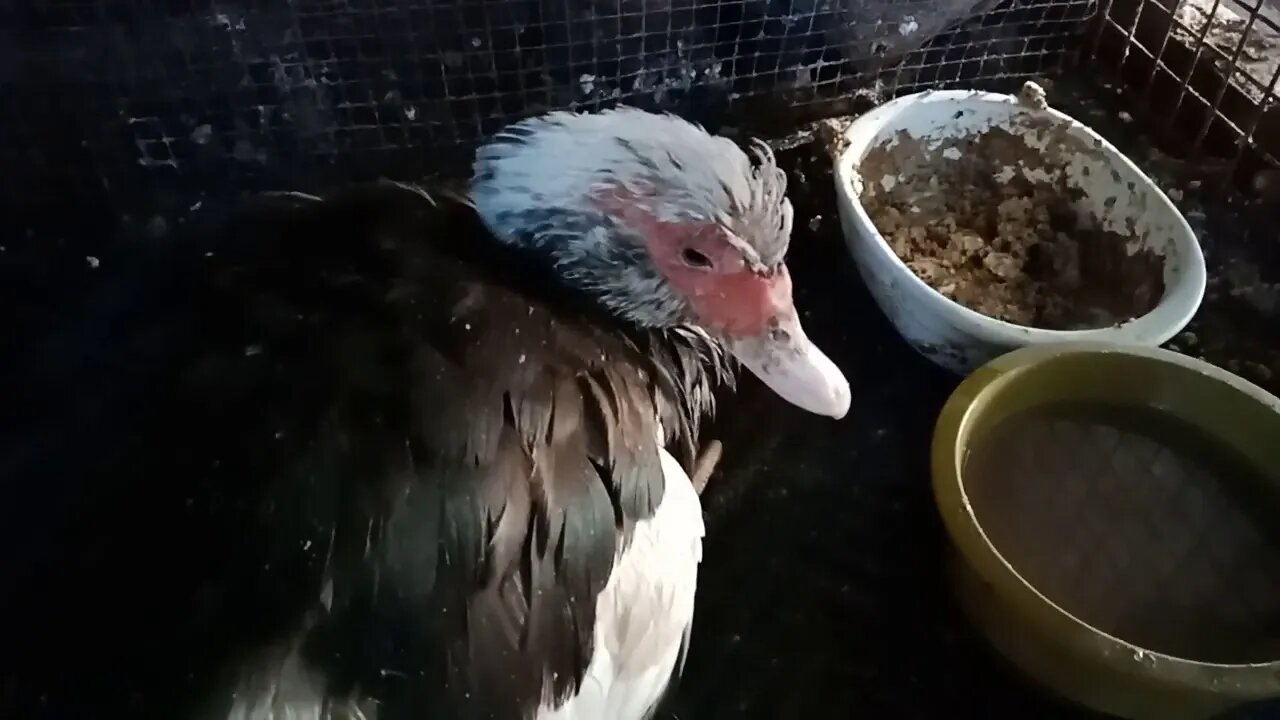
(1053, 647)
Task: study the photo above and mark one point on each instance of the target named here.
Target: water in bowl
(1137, 524)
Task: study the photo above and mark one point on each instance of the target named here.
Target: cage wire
(1202, 71)
(151, 106)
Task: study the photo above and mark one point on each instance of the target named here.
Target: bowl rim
(1176, 306)
(1245, 680)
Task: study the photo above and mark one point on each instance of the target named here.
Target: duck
(405, 450)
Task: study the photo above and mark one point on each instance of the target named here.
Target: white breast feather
(645, 613)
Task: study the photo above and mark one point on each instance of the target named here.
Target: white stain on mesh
(226, 22)
(233, 25)
(305, 101)
(908, 25)
(154, 145)
(663, 74)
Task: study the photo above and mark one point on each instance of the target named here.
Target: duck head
(666, 226)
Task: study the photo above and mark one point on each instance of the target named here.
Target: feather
(380, 443)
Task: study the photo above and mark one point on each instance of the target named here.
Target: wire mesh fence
(153, 106)
(167, 99)
(1203, 71)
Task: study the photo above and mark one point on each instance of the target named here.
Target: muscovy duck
(400, 453)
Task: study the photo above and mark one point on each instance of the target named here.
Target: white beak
(794, 368)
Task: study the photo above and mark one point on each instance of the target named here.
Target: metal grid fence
(1201, 72)
(148, 108)
(162, 102)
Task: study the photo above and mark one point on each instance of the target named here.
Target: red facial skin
(727, 296)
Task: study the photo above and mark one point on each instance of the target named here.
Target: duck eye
(694, 258)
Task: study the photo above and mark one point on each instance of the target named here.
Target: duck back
(331, 455)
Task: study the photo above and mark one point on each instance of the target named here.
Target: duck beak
(786, 360)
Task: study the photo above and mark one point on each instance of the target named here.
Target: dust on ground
(999, 243)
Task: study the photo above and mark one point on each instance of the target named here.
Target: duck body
(389, 468)
(395, 453)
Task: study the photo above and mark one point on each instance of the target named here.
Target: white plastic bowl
(1115, 191)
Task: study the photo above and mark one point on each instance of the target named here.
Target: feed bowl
(1115, 515)
(924, 132)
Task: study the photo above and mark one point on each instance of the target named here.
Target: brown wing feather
(363, 423)
(533, 428)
